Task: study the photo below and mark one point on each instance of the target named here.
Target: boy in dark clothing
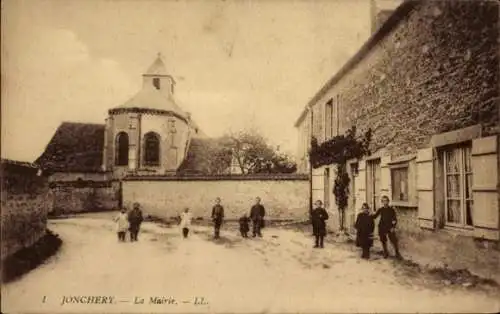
(387, 226)
(135, 219)
(244, 226)
(217, 217)
(257, 213)
(365, 225)
(318, 218)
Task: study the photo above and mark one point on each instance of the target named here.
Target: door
(373, 183)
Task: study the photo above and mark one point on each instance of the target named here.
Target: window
(458, 185)
(329, 119)
(336, 117)
(121, 146)
(156, 82)
(318, 124)
(399, 182)
(151, 149)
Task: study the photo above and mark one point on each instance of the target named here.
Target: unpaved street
(278, 273)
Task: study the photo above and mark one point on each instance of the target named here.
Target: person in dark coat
(365, 224)
(257, 213)
(135, 219)
(244, 226)
(318, 218)
(387, 226)
(217, 217)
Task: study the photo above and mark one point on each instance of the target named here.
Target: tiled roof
(157, 68)
(26, 164)
(151, 98)
(75, 147)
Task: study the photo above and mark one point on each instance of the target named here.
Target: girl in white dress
(121, 224)
(186, 218)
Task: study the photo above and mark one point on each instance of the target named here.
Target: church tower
(157, 77)
(148, 134)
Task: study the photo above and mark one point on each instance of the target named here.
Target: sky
(238, 64)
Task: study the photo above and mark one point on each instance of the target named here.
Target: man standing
(257, 214)
(387, 226)
(217, 217)
(135, 219)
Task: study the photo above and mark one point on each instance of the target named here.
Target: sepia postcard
(250, 156)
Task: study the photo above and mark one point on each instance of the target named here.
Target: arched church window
(121, 146)
(151, 149)
(156, 82)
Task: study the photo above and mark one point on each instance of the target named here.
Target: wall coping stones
(253, 177)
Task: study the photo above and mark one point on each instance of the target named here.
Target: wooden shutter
(317, 184)
(425, 188)
(360, 184)
(485, 188)
(385, 176)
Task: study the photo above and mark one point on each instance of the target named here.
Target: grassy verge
(29, 258)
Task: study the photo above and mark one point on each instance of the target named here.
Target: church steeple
(157, 77)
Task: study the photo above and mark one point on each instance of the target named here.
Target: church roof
(151, 98)
(157, 68)
(75, 147)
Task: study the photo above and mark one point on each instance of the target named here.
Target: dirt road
(278, 273)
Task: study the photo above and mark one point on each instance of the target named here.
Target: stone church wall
(284, 197)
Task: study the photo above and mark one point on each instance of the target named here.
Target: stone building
(427, 84)
(148, 134)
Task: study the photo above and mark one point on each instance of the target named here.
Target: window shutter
(360, 183)
(385, 176)
(425, 188)
(485, 188)
(317, 184)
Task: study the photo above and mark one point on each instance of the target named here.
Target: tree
(248, 149)
(253, 155)
(207, 157)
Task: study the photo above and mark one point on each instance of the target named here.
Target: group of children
(257, 213)
(129, 222)
(365, 224)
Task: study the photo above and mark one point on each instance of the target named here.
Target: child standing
(387, 226)
(365, 225)
(121, 224)
(217, 217)
(318, 218)
(186, 218)
(244, 225)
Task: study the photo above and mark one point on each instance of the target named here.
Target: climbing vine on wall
(338, 151)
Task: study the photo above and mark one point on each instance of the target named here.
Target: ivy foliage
(340, 148)
(338, 151)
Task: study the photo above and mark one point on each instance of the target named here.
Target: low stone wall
(84, 196)
(451, 250)
(25, 204)
(284, 197)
